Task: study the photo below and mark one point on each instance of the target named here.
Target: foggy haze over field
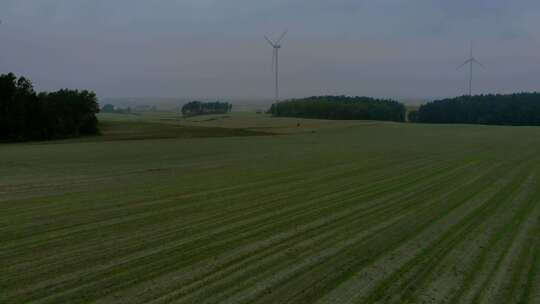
(215, 49)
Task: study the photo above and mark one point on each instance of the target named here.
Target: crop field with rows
(246, 209)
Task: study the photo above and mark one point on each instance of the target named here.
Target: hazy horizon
(216, 50)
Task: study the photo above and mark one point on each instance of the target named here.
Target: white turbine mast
(471, 62)
(276, 45)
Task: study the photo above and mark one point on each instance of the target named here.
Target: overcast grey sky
(215, 48)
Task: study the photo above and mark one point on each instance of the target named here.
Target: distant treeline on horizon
(202, 108)
(27, 115)
(341, 108)
(509, 109)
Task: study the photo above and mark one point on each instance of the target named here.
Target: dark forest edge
(26, 115)
(341, 108)
(511, 109)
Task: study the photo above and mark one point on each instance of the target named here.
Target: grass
(166, 210)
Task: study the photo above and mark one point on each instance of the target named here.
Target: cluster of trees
(341, 107)
(512, 109)
(26, 115)
(202, 108)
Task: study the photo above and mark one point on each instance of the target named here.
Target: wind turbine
(471, 61)
(276, 45)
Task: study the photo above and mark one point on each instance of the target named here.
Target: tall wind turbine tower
(471, 61)
(276, 45)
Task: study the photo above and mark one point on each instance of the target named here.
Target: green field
(245, 208)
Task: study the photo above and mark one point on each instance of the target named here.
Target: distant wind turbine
(276, 45)
(471, 61)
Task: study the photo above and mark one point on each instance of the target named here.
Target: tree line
(27, 115)
(201, 108)
(510, 109)
(341, 108)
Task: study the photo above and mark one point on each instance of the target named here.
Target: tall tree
(510, 109)
(25, 115)
(341, 107)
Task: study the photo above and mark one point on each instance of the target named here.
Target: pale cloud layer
(211, 48)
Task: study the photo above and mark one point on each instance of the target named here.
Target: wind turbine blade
(464, 64)
(282, 36)
(478, 62)
(269, 41)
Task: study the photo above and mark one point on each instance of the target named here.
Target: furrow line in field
(490, 249)
(400, 285)
(328, 233)
(481, 238)
(161, 253)
(339, 267)
(269, 184)
(271, 273)
(510, 238)
(523, 259)
(530, 291)
(468, 199)
(235, 219)
(68, 253)
(343, 257)
(253, 259)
